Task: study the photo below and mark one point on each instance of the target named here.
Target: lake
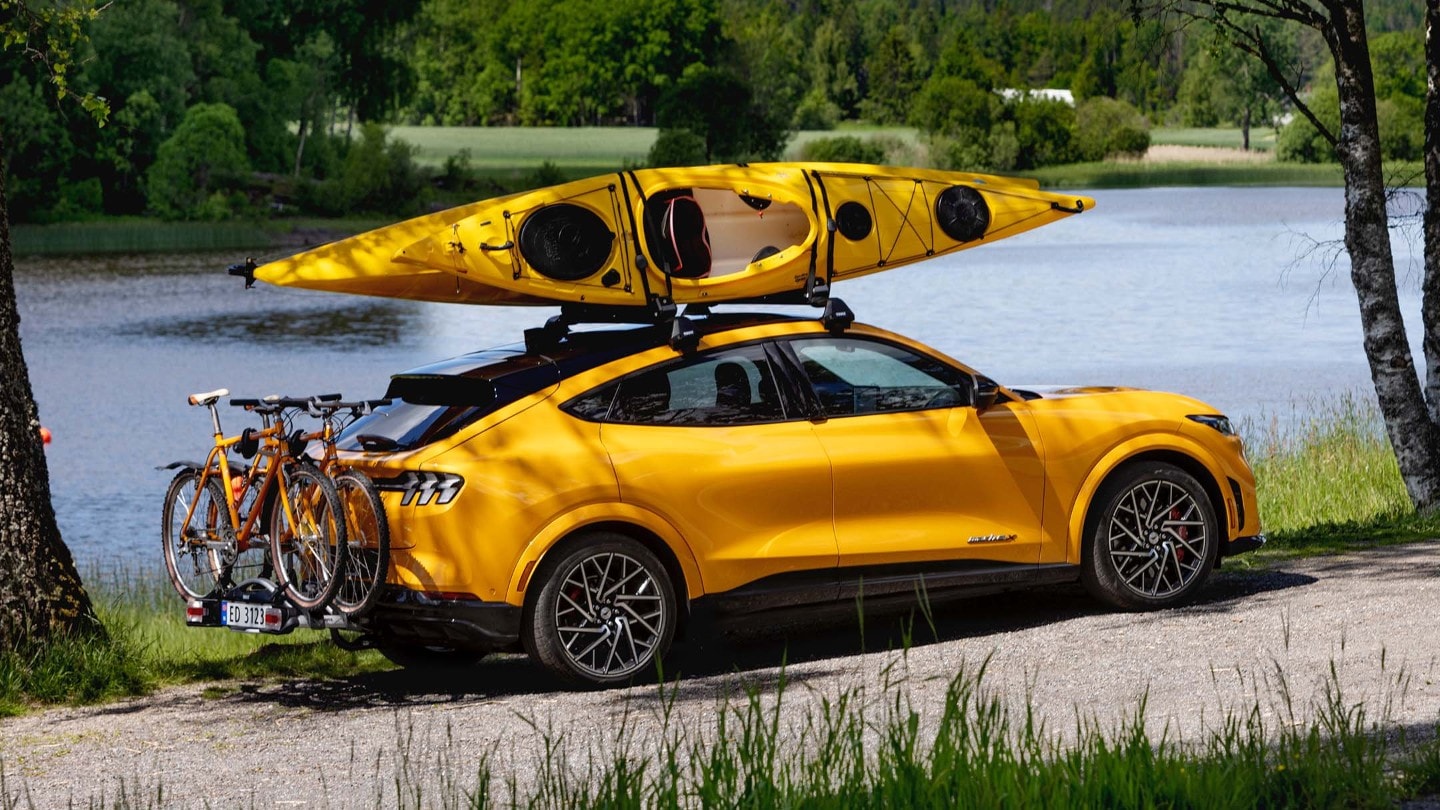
(1231, 295)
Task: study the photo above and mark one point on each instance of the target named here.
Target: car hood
(1057, 391)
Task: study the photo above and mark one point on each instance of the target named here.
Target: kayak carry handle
(245, 271)
(489, 248)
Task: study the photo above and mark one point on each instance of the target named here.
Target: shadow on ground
(751, 649)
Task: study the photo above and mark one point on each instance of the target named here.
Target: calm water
(1203, 291)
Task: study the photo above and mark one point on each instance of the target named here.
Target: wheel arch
(1175, 454)
(646, 528)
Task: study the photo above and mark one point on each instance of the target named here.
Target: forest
(258, 108)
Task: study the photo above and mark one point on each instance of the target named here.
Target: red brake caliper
(1183, 531)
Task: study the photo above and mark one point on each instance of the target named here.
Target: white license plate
(249, 616)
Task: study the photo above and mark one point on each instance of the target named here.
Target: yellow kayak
(693, 235)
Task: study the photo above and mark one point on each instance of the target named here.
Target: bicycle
(203, 506)
(367, 529)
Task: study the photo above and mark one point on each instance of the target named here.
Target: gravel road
(340, 743)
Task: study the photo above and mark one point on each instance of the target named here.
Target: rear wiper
(377, 444)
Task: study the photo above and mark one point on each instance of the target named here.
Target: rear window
(434, 402)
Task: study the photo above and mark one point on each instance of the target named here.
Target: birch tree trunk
(1372, 265)
(1431, 223)
(40, 592)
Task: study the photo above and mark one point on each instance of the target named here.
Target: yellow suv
(579, 494)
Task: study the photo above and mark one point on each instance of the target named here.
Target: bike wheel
(307, 538)
(368, 536)
(195, 524)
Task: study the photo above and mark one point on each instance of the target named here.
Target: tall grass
(1328, 480)
(156, 236)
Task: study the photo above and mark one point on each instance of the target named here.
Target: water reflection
(357, 325)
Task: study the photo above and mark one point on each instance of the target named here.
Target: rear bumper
(1243, 545)
(411, 617)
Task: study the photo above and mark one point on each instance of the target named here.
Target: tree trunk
(1412, 434)
(40, 592)
(1245, 128)
(1430, 309)
(300, 148)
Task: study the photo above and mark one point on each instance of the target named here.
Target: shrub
(380, 175)
(816, 111)
(677, 147)
(843, 149)
(1106, 127)
(205, 157)
(1044, 130)
(1300, 141)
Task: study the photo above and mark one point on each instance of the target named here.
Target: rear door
(716, 443)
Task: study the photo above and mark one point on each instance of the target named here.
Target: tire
(311, 554)
(1141, 555)
(421, 657)
(367, 533)
(193, 559)
(605, 611)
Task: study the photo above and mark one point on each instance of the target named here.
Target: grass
(1261, 138)
(149, 646)
(1135, 174)
(138, 235)
(1328, 482)
(966, 747)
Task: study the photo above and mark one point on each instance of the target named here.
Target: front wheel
(195, 529)
(1151, 540)
(605, 611)
(307, 538)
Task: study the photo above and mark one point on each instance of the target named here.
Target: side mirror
(986, 390)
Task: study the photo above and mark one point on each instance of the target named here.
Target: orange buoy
(45, 434)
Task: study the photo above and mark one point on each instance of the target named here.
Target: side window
(852, 377)
(728, 387)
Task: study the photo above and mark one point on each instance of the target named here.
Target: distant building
(1043, 94)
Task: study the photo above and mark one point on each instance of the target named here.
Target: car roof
(557, 356)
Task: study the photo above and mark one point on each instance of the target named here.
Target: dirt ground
(342, 743)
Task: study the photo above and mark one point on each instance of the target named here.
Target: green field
(1261, 138)
(590, 148)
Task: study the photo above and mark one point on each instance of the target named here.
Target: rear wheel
(368, 536)
(195, 526)
(1151, 540)
(307, 538)
(604, 613)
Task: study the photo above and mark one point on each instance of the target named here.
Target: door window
(727, 387)
(853, 376)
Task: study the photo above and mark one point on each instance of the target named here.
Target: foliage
(843, 149)
(677, 147)
(1300, 141)
(199, 166)
(302, 75)
(1107, 127)
(716, 105)
(379, 176)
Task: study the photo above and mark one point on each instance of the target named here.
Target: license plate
(249, 616)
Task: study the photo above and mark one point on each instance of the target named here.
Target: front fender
(596, 514)
(1119, 455)
(182, 465)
